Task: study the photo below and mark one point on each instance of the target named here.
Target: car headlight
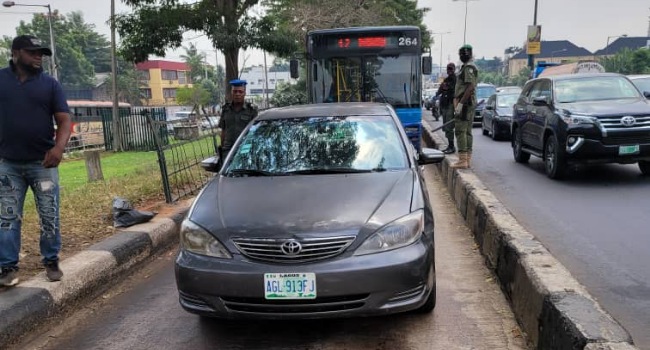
(578, 119)
(399, 233)
(199, 241)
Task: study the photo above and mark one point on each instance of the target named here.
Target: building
(256, 80)
(624, 42)
(160, 80)
(559, 51)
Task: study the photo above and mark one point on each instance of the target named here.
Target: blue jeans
(15, 177)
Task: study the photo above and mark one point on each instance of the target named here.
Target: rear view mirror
(293, 69)
(426, 65)
(646, 94)
(489, 108)
(211, 164)
(430, 156)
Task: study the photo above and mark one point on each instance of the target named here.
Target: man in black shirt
(446, 93)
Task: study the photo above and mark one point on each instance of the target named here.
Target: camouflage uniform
(234, 122)
(468, 76)
(446, 92)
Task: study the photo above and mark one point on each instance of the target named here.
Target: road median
(551, 306)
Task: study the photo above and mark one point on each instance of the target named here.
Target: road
(596, 222)
(143, 311)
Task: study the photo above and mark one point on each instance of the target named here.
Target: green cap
(466, 47)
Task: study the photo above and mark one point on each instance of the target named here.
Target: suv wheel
(517, 152)
(644, 165)
(485, 131)
(495, 136)
(554, 162)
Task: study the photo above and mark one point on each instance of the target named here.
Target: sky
(492, 25)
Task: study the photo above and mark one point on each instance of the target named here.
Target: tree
(156, 25)
(196, 97)
(81, 52)
(196, 62)
(290, 94)
(128, 83)
(297, 17)
(5, 51)
(628, 62)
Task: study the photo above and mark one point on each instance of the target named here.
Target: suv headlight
(399, 233)
(578, 119)
(199, 241)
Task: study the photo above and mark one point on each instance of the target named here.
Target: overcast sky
(492, 25)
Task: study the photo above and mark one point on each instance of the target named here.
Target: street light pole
(531, 57)
(609, 37)
(440, 67)
(553, 54)
(465, 30)
(54, 70)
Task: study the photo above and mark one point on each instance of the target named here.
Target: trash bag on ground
(124, 215)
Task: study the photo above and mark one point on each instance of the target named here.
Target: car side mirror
(489, 108)
(646, 94)
(293, 69)
(211, 164)
(542, 101)
(430, 156)
(427, 65)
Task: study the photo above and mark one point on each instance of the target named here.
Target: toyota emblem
(628, 121)
(291, 247)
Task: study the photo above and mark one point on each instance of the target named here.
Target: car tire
(517, 151)
(644, 166)
(495, 136)
(554, 159)
(430, 304)
(485, 131)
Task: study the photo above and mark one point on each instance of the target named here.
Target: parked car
(209, 122)
(428, 98)
(318, 211)
(483, 92)
(642, 82)
(497, 115)
(582, 119)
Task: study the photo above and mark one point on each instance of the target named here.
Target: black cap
(451, 65)
(28, 42)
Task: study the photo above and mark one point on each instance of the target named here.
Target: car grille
(615, 123)
(264, 306)
(275, 250)
(632, 139)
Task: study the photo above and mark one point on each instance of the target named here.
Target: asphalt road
(143, 311)
(596, 222)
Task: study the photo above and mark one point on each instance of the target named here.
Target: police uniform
(467, 77)
(233, 122)
(446, 92)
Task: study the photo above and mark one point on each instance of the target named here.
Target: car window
(642, 83)
(297, 144)
(507, 100)
(542, 88)
(594, 89)
(485, 91)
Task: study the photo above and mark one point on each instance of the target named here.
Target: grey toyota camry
(317, 211)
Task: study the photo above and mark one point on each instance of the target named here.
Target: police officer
(235, 116)
(465, 106)
(446, 93)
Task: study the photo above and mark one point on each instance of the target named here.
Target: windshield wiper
(252, 172)
(316, 171)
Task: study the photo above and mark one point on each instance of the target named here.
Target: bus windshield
(377, 78)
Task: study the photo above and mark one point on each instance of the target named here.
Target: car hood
(504, 111)
(607, 107)
(303, 205)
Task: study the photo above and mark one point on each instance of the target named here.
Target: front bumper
(375, 284)
(594, 151)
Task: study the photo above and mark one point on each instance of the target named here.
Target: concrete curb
(32, 302)
(549, 303)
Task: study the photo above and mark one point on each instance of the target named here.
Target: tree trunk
(93, 166)
(232, 69)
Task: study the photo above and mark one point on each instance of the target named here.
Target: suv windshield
(335, 144)
(594, 89)
(642, 83)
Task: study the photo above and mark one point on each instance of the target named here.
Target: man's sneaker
(52, 271)
(8, 277)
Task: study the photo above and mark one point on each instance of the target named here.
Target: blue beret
(238, 82)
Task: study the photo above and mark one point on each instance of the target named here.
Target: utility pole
(266, 83)
(531, 58)
(117, 135)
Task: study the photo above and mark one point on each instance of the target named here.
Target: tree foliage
(628, 62)
(290, 94)
(297, 17)
(128, 83)
(156, 25)
(80, 51)
(195, 96)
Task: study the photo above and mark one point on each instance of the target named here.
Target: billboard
(533, 40)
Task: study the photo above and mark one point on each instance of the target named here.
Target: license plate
(299, 285)
(622, 150)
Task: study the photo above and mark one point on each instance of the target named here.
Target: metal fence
(136, 131)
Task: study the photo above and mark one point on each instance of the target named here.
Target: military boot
(462, 162)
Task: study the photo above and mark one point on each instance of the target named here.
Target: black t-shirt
(27, 115)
